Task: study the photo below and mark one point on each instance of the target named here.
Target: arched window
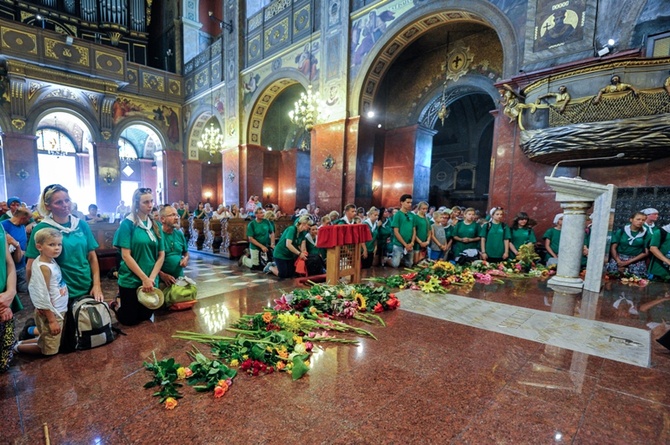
(127, 152)
(51, 141)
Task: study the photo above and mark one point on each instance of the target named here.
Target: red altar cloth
(339, 235)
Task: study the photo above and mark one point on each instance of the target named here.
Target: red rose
(378, 308)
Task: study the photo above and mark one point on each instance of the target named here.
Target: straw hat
(151, 300)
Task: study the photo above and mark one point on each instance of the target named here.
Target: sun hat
(151, 300)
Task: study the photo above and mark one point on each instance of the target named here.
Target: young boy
(48, 293)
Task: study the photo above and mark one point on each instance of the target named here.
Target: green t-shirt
(521, 236)
(656, 267)
(281, 251)
(495, 235)
(370, 245)
(175, 248)
(633, 245)
(260, 231)
(143, 250)
(73, 260)
(463, 230)
(404, 222)
(554, 237)
(422, 225)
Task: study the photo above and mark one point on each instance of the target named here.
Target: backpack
(93, 323)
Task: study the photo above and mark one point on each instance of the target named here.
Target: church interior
(458, 103)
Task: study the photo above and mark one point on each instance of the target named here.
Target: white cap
(557, 217)
(649, 211)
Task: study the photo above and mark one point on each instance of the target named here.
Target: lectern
(343, 244)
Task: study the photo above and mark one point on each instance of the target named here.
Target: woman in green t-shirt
(630, 247)
(522, 233)
(552, 240)
(288, 250)
(142, 254)
(7, 294)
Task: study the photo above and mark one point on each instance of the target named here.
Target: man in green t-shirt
(261, 238)
(176, 249)
(404, 232)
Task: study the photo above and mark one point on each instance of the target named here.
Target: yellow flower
(234, 363)
(361, 301)
(245, 356)
(267, 317)
(312, 310)
(170, 403)
(280, 366)
(181, 373)
(297, 339)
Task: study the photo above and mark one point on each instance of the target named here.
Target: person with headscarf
(142, 251)
(78, 260)
(629, 248)
(552, 240)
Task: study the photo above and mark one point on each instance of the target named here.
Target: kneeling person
(48, 293)
(176, 249)
(260, 233)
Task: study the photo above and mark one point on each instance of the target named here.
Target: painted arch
(408, 28)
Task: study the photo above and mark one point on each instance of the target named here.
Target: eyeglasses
(144, 190)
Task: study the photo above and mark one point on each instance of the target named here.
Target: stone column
(576, 195)
(571, 246)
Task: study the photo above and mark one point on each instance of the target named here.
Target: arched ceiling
(397, 45)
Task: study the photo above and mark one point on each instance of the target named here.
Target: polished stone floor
(425, 380)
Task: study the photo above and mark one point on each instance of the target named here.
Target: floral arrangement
(203, 374)
(436, 276)
(627, 278)
(283, 338)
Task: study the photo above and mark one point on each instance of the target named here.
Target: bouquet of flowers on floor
(283, 338)
(437, 276)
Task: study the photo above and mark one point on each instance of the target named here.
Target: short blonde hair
(46, 233)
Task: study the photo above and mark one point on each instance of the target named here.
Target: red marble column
(211, 183)
(517, 184)
(331, 188)
(271, 169)
(148, 178)
(172, 171)
(399, 157)
(193, 182)
(108, 176)
(251, 162)
(21, 168)
(287, 180)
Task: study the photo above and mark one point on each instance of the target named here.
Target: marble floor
(425, 380)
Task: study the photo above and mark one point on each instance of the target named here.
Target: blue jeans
(398, 255)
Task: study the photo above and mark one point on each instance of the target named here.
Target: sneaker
(240, 261)
(266, 269)
(24, 335)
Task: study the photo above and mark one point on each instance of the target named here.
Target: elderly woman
(141, 243)
(78, 261)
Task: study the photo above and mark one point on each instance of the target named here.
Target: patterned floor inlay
(607, 340)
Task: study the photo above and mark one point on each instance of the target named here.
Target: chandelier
(307, 109)
(443, 112)
(211, 140)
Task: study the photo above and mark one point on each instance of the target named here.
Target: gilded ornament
(18, 123)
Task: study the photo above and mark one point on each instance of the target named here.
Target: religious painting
(307, 62)
(558, 23)
(366, 32)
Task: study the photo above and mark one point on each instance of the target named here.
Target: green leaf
(299, 366)
(150, 384)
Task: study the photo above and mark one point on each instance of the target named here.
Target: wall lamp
(376, 185)
(267, 191)
(223, 25)
(605, 50)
